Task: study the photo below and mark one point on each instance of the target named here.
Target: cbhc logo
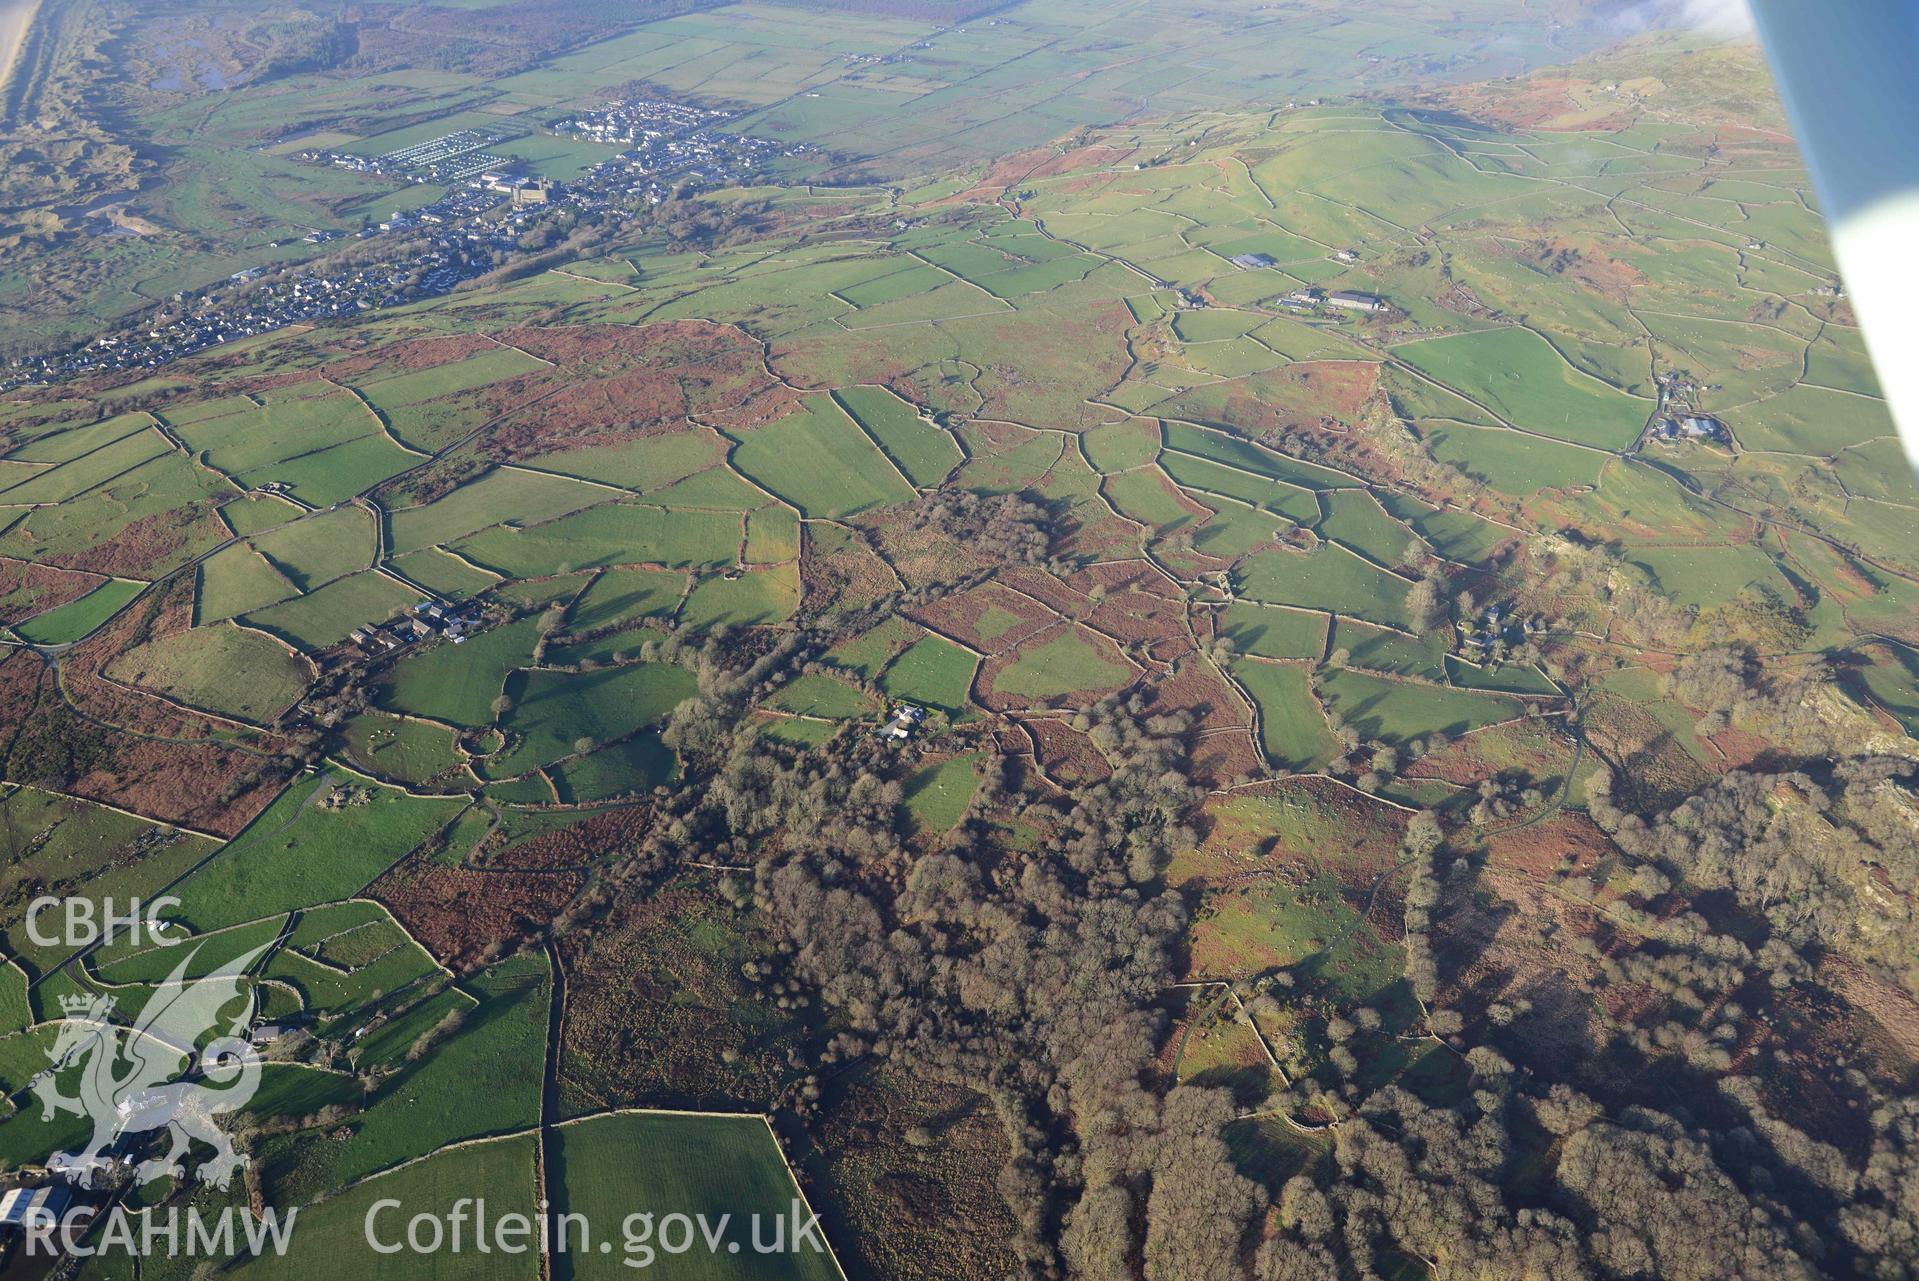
(88, 923)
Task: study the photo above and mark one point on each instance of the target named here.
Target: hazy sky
(1723, 17)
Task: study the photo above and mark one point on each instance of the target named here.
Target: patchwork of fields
(398, 648)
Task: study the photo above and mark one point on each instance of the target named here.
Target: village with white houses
(491, 201)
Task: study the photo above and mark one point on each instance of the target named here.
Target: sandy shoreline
(16, 17)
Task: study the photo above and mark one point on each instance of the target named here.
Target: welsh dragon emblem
(176, 1067)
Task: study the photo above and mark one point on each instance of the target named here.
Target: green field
(320, 548)
(443, 574)
(1379, 650)
(610, 534)
(300, 852)
(1707, 576)
(868, 653)
(821, 462)
(482, 1080)
(1358, 522)
(60, 443)
(289, 1091)
(772, 536)
(1519, 375)
(1513, 462)
(621, 595)
(937, 796)
(933, 673)
(691, 1165)
(552, 711)
(1810, 420)
(1892, 679)
(323, 444)
(1116, 446)
(126, 962)
(73, 477)
(325, 617)
(519, 496)
(1511, 678)
(800, 733)
(1400, 710)
(1448, 531)
(458, 683)
(1232, 451)
(236, 580)
(72, 849)
(1273, 633)
(76, 618)
(632, 765)
(645, 465)
(490, 365)
(335, 1230)
(256, 512)
(1204, 478)
(821, 695)
(751, 598)
(165, 491)
(15, 1010)
(222, 668)
(1070, 663)
(1292, 729)
(924, 452)
(399, 748)
(1329, 579)
(1148, 495)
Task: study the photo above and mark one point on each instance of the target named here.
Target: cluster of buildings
(473, 228)
(653, 169)
(21, 1208)
(460, 247)
(1693, 427)
(670, 144)
(1487, 640)
(222, 316)
(425, 621)
(458, 205)
(1340, 299)
(449, 159)
(1352, 300)
(1678, 418)
(638, 120)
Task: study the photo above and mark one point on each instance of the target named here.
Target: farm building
(1250, 261)
(1693, 427)
(264, 1034)
(1350, 300)
(22, 1206)
(905, 717)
